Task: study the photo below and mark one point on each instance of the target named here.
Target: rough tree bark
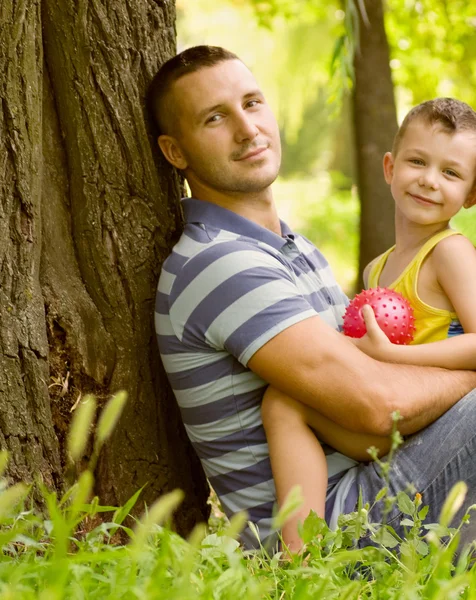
(88, 211)
(375, 122)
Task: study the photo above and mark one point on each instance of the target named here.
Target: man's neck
(259, 208)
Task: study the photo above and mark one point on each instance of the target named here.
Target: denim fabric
(433, 460)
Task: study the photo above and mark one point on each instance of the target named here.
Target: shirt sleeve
(236, 297)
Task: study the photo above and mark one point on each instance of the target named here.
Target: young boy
(432, 175)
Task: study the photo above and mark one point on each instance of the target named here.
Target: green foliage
(70, 554)
(465, 222)
(326, 212)
(59, 558)
(433, 48)
(302, 52)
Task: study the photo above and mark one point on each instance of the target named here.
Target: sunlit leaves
(433, 48)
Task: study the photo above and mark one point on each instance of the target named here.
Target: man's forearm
(319, 367)
(419, 394)
(435, 392)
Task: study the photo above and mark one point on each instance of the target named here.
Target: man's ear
(388, 164)
(172, 151)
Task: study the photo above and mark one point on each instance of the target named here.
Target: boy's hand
(374, 343)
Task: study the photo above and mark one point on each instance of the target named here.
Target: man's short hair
(450, 114)
(190, 60)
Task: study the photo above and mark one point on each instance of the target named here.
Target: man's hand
(374, 343)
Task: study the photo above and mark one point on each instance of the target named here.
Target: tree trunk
(88, 214)
(375, 127)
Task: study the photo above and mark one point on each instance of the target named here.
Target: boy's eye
(416, 161)
(451, 173)
(252, 103)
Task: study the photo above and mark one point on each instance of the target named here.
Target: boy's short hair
(452, 115)
(190, 60)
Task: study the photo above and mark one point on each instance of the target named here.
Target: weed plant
(56, 557)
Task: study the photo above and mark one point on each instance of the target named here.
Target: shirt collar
(200, 211)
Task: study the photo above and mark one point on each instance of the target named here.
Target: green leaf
(222, 542)
(122, 512)
(384, 537)
(87, 508)
(159, 512)
(453, 503)
(10, 498)
(312, 527)
(198, 534)
(407, 523)
(337, 53)
(110, 416)
(4, 456)
(381, 494)
(422, 548)
(237, 524)
(405, 504)
(83, 490)
(291, 505)
(423, 512)
(79, 432)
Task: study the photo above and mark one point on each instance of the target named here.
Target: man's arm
(318, 366)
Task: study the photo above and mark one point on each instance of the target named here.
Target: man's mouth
(252, 152)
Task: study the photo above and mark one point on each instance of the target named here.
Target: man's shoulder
(310, 250)
(215, 250)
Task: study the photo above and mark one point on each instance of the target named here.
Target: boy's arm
(455, 266)
(458, 352)
(454, 260)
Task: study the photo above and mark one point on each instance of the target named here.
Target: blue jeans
(433, 460)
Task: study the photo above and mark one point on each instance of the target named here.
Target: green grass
(70, 553)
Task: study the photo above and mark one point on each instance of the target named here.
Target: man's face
(227, 139)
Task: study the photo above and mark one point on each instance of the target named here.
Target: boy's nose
(428, 179)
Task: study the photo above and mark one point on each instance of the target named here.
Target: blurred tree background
(302, 55)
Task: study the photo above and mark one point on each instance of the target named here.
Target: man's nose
(429, 178)
(245, 128)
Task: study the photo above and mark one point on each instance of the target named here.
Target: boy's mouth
(424, 200)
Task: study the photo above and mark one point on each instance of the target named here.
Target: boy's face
(433, 174)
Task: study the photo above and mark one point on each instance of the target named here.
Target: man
(244, 302)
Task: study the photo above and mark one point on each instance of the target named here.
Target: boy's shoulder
(453, 247)
(452, 255)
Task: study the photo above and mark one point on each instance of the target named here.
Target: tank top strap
(429, 245)
(377, 267)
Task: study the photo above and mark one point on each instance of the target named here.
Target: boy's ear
(471, 198)
(172, 151)
(388, 164)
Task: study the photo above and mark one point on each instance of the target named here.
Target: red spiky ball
(393, 312)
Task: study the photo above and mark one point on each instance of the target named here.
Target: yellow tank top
(432, 324)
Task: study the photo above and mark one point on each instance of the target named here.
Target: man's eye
(214, 119)
(252, 103)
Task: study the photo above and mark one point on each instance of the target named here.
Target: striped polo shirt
(227, 288)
